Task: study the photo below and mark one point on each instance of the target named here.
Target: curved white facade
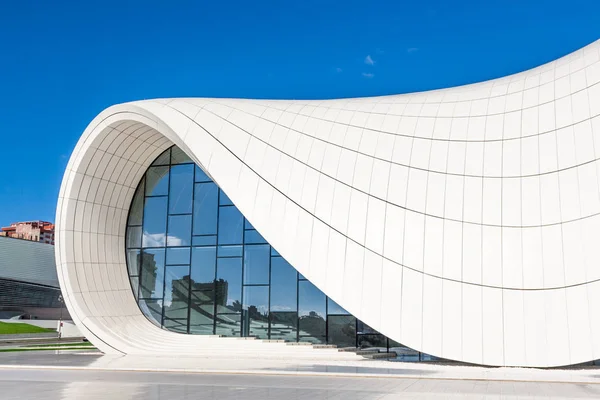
(475, 210)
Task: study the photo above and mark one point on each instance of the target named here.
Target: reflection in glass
(178, 156)
(155, 222)
(180, 189)
(256, 264)
(253, 237)
(231, 224)
(311, 311)
(228, 324)
(135, 285)
(372, 341)
(204, 261)
(134, 237)
(196, 265)
(201, 175)
(176, 297)
(362, 328)
(341, 330)
(209, 240)
(256, 311)
(230, 251)
(152, 273)
(206, 197)
(133, 262)
(230, 271)
(335, 308)
(284, 325)
(180, 230)
(164, 158)
(136, 212)
(224, 200)
(152, 309)
(178, 256)
(284, 286)
(157, 181)
(202, 308)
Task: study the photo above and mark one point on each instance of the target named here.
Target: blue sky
(61, 63)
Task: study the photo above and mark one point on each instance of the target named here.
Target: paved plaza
(78, 375)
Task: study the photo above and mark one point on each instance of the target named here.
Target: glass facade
(197, 266)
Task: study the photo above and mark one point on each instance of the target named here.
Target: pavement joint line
(290, 373)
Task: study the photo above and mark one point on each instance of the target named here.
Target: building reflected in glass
(197, 266)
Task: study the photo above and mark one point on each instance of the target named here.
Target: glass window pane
(178, 156)
(176, 298)
(134, 237)
(136, 211)
(274, 252)
(202, 308)
(256, 264)
(284, 325)
(155, 222)
(372, 341)
(335, 308)
(133, 262)
(205, 208)
(311, 310)
(252, 237)
(152, 309)
(230, 271)
(247, 224)
(152, 273)
(180, 230)
(256, 311)
(175, 324)
(224, 200)
(196, 329)
(135, 285)
(164, 158)
(157, 181)
(201, 175)
(341, 330)
(204, 261)
(182, 185)
(178, 256)
(284, 293)
(231, 223)
(362, 328)
(221, 288)
(230, 251)
(204, 240)
(228, 324)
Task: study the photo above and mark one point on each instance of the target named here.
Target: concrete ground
(79, 375)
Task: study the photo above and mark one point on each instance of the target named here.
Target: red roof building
(37, 231)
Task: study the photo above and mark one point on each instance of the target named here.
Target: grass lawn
(83, 344)
(7, 328)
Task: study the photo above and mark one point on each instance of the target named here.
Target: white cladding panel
(459, 222)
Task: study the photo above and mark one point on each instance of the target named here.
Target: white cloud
(159, 240)
(338, 70)
(369, 60)
(412, 49)
(368, 75)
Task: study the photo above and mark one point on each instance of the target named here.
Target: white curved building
(462, 223)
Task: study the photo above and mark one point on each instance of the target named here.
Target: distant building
(36, 231)
(29, 285)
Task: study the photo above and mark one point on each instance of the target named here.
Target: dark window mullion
(189, 304)
(165, 246)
